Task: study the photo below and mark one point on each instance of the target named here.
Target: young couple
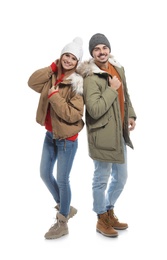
(65, 87)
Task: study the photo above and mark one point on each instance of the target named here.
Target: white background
(33, 34)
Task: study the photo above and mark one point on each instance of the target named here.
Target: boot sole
(58, 236)
(107, 235)
(120, 228)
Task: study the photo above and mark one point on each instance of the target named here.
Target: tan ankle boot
(104, 226)
(73, 211)
(59, 229)
(115, 222)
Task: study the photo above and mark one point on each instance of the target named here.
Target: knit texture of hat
(75, 48)
(96, 39)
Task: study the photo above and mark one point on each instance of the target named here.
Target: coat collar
(76, 81)
(88, 68)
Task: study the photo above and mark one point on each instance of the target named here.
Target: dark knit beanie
(96, 39)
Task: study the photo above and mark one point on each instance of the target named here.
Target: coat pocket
(105, 137)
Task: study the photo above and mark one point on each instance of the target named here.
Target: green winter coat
(103, 118)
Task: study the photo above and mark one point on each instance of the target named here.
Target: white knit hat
(75, 48)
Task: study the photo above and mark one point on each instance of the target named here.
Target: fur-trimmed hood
(88, 68)
(76, 81)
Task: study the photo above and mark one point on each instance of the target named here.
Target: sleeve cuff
(53, 93)
(53, 67)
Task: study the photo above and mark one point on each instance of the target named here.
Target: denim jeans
(105, 193)
(62, 152)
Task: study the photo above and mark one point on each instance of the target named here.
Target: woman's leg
(48, 159)
(65, 156)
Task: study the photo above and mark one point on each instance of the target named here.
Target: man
(109, 119)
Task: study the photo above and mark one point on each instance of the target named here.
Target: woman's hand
(53, 89)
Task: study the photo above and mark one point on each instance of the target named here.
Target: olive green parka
(103, 118)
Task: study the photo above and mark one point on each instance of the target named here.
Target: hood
(76, 81)
(88, 68)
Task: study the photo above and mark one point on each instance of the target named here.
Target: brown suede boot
(115, 222)
(104, 226)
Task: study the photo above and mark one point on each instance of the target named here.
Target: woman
(60, 110)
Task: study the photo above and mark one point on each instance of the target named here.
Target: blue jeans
(105, 194)
(62, 151)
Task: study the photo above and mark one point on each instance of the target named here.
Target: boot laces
(107, 222)
(115, 216)
(54, 225)
(112, 214)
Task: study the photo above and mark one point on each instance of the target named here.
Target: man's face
(101, 53)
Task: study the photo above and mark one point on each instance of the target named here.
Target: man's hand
(114, 82)
(132, 124)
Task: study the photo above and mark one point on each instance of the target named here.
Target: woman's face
(68, 61)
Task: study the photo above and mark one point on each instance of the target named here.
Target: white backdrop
(32, 36)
